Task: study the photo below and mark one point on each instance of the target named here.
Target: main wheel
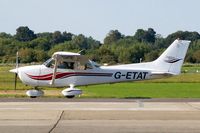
(72, 96)
(33, 96)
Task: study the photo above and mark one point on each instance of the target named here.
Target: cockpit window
(88, 65)
(95, 64)
(49, 63)
(70, 65)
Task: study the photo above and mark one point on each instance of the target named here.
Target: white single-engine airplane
(72, 69)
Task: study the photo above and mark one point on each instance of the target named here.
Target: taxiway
(136, 116)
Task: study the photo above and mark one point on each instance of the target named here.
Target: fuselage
(41, 75)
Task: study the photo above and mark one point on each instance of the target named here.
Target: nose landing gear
(34, 93)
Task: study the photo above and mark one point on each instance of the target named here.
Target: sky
(96, 18)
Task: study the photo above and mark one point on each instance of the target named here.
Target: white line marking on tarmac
(81, 109)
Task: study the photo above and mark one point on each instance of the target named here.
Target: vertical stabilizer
(173, 57)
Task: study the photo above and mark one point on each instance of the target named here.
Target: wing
(70, 57)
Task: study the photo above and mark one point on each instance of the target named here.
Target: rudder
(173, 57)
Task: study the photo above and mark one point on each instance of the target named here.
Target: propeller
(16, 73)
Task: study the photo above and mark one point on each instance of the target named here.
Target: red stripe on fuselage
(66, 75)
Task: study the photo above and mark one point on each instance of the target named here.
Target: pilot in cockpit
(66, 65)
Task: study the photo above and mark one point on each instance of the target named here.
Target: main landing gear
(71, 92)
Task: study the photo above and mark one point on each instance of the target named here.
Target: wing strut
(54, 70)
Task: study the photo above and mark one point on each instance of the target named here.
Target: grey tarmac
(132, 116)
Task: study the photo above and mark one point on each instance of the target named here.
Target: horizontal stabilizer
(161, 74)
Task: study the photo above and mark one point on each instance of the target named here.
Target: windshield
(49, 62)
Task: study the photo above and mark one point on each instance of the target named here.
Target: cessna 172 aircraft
(67, 69)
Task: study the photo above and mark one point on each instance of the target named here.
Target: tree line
(145, 45)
